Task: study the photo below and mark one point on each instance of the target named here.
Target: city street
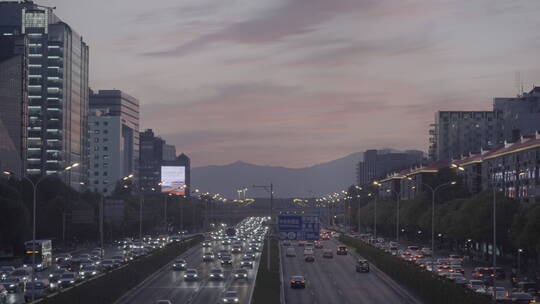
(168, 284)
(335, 280)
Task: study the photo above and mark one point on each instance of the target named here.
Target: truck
(42, 250)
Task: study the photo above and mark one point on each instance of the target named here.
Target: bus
(42, 251)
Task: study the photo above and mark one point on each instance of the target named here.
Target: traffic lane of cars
(291, 266)
(334, 280)
(368, 287)
(167, 284)
(18, 297)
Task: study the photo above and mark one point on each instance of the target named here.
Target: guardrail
(431, 288)
(109, 286)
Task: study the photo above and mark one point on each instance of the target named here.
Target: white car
(290, 252)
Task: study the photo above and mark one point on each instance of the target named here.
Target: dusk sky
(300, 82)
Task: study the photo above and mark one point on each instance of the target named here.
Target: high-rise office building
(378, 163)
(169, 152)
(13, 102)
(114, 139)
(518, 116)
(57, 90)
(458, 133)
(150, 160)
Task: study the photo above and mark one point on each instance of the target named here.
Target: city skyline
(291, 84)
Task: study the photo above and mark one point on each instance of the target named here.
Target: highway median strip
(268, 283)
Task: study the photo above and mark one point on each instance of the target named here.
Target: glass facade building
(58, 91)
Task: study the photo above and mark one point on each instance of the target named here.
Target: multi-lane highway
(335, 280)
(169, 284)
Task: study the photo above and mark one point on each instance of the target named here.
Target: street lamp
(34, 186)
(494, 247)
(398, 198)
(375, 183)
(433, 192)
(520, 251)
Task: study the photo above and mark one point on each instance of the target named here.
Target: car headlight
(94, 273)
(39, 265)
(11, 285)
(185, 276)
(50, 275)
(72, 281)
(195, 275)
(81, 273)
(236, 275)
(59, 282)
(236, 300)
(174, 265)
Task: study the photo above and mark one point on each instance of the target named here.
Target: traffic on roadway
(64, 270)
(222, 269)
(481, 279)
(326, 271)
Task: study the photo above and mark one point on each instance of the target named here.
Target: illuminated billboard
(173, 179)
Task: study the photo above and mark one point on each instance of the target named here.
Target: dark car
(240, 274)
(226, 260)
(309, 258)
(246, 262)
(67, 279)
(37, 289)
(13, 284)
(341, 250)
(528, 287)
(298, 282)
(179, 264)
(3, 294)
(217, 274)
(521, 297)
(55, 275)
(362, 266)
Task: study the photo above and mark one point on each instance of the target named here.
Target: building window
(105, 173)
(105, 123)
(97, 140)
(105, 139)
(96, 123)
(105, 148)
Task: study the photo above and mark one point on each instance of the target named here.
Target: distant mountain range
(311, 181)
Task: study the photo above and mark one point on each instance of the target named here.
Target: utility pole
(101, 224)
(141, 201)
(271, 188)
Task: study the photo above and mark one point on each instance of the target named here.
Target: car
(413, 248)
(457, 278)
(3, 294)
(229, 296)
(119, 259)
(217, 274)
(457, 269)
(24, 274)
(98, 252)
(341, 250)
(521, 297)
(298, 282)
(476, 285)
(36, 289)
(426, 251)
(240, 274)
(309, 258)
(286, 243)
(208, 257)
(108, 264)
(67, 279)
(88, 271)
(362, 265)
(13, 284)
(290, 252)
(5, 271)
(191, 275)
(301, 243)
(207, 243)
(319, 245)
(528, 287)
(179, 264)
(226, 260)
(62, 257)
(222, 253)
(328, 253)
(236, 249)
(55, 274)
(246, 263)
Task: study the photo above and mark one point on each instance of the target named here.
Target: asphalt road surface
(335, 280)
(168, 284)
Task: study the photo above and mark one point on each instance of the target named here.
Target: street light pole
(271, 187)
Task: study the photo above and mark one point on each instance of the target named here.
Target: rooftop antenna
(518, 83)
